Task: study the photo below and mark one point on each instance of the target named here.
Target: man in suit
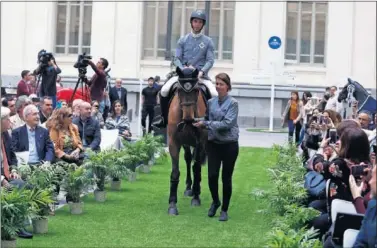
(119, 93)
(9, 177)
(33, 138)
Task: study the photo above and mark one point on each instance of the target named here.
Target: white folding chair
(349, 238)
(341, 206)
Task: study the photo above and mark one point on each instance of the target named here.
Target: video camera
(43, 58)
(82, 61)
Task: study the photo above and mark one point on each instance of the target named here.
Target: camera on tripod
(81, 64)
(43, 58)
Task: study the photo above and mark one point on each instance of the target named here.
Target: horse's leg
(174, 177)
(197, 171)
(188, 159)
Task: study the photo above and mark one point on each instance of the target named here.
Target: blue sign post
(274, 42)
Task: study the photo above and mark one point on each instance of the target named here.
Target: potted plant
(151, 145)
(98, 165)
(43, 178)
(16, 206)
(132, 157)
(118, 169)
(74, 183)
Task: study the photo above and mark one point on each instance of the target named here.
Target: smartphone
(375, 149)
(332, 134)
(358, 170)
(315, 118)
(321, 120)
(59, 105)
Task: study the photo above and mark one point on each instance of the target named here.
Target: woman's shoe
(223, 216)
(212, 210)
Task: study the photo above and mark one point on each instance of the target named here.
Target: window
(73, 27)
(306, 32)
(166, 22)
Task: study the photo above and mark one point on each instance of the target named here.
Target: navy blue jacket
(92, 132)
(367, 234)
(45, 148)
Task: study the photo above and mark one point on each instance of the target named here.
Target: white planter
(100, 196)
(9, 243)
(76, 207)
(116, 185)
(132, 177)
(40, 226)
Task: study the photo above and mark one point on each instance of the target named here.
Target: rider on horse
(194, 50)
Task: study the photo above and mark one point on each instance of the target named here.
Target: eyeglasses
(68, 116)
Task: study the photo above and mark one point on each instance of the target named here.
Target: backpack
(315, 184)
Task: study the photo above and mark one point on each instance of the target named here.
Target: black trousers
(225, 154)
(148, 110)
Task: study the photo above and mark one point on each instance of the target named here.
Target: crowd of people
(339, 153)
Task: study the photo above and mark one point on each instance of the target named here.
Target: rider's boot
(162, 120)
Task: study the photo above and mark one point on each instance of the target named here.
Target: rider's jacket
(195, 50)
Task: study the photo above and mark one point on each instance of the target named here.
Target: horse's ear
(179, 72)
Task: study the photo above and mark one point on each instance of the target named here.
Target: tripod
(81, 82)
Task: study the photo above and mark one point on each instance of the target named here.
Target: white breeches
(166, 88)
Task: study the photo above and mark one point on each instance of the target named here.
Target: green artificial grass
(137, 215)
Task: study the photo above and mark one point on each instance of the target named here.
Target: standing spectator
(98, 82)
(32, 84)
(157, 83)
(333, 103)
(49, 75)
(89, 128)
(119, 93)
(365, 119)
(293, 116)
(58, 82)
(222, 147)
(149, 101)
(46, 109)
(23, 85)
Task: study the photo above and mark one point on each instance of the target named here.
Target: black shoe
(223, 216)
(24, 234)
(212, 210)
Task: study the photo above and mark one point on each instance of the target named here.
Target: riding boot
(162, 120)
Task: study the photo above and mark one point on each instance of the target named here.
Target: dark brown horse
(187, 105)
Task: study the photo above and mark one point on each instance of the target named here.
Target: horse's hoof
(195, 202)
(173, 211)
(188, 192)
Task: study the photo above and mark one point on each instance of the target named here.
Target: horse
(187, 106)
(354, 90)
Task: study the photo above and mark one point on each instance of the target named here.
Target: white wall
(117, 35)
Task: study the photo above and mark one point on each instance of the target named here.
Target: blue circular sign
(274, 42)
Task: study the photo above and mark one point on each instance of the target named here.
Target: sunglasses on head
(69, 116)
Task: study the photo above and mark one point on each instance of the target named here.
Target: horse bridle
(190, 103)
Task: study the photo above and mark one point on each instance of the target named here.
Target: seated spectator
(367, 233)
(96, 114)
(35, 100)
(23, 88)
(10, 102)
(33, 138)
(46, 109)
(9, 177)
(32, 84)
(89, 129)
(18, 119)
(119, 121)
(76, 107)
(65, 136)
(63, 104)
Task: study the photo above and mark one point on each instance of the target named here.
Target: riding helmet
(199, 14)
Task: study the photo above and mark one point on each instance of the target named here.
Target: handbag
(315, 184)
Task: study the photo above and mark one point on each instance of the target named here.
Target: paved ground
(247, 138)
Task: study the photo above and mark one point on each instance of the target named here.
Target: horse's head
(349, 90)
(188, 92)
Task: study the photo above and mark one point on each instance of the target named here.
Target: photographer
(49, 72)
(98, 82)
